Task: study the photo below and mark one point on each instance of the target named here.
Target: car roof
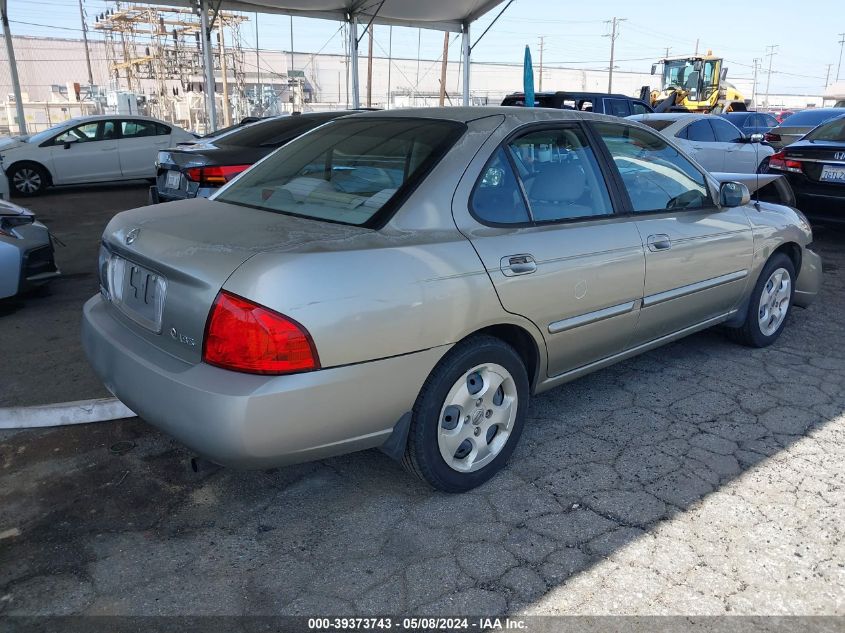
(668, 116)
(575, 93)
(465, 114)
(102, 117)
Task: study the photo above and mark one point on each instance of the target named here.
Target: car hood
(8, 208)
(11, 142)
(752, 181)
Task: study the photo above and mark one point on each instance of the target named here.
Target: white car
(717, 144)
(102, 148)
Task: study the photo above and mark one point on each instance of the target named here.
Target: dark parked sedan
(751, 122)
(815, 167)
(199, 169)
(797, 125)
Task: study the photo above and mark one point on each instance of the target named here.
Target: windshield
(350, 171)
(830, 131)
(681, 73)
(49, 132)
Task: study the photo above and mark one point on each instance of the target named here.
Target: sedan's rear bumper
(251, 421)
(809, 281)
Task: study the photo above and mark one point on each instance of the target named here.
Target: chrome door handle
(659, 242)
(518, 265)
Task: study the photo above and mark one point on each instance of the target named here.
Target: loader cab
(699, 77)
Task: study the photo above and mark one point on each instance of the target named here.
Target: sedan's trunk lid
(169, 261)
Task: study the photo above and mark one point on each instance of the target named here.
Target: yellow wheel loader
(694, 84)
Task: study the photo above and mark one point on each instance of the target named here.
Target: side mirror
(68, 143)
(756, 138)
(698, 65)
(723, 75)
(734, 194)
(654, 69)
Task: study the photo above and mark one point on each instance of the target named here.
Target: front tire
(468, 416)
(771, 300)
(28, 179)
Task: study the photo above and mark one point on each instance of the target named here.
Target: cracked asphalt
(700, 478)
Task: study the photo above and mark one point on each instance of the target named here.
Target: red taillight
(243, 336)
(768, 136)
(214, 175)
(781, 162)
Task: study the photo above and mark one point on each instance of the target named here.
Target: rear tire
(27, 179)
(770, 303)
(468, 416)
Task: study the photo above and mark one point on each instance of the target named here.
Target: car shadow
(112, 519)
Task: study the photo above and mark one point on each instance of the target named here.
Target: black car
(815, 167)
(598, 102)
(751, 122)
(199, 169)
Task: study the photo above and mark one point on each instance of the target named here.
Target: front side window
(80, 134)
(725, 132)
(656, 176)
(639, 108)
(616, 107)
(346, 171)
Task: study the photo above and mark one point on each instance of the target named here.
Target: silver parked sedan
(26, 251)
(406, 280)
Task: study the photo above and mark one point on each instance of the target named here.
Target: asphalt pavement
(700, 478)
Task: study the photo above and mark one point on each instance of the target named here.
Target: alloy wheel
(477, 417)
(774, 301)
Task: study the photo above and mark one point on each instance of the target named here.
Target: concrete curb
(63, 413)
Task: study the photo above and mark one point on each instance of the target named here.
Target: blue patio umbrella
(528, 79)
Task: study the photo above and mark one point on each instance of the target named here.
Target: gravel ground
(700, 478)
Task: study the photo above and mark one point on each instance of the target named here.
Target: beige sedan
(406, 280)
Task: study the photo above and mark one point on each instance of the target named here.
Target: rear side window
(349, 171)
(699, 131)
(137, 129)
(656, 176)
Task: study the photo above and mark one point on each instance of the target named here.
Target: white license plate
(174, 179)
(138, 292)
(832, 173)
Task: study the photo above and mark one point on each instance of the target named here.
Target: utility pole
(13, 67)
(667, 51)
(613, 35)
(770, 52)
(841, 46)
(754, 88)
(224, 72)
(85, 42)
(370, 66)
(542, 44)
(260, 91)
(696, 47)
(389, 62)
(291, 42)
(443, 68)
(827, 76)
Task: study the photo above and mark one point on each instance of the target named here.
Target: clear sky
(806, 32)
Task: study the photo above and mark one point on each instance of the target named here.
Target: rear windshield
(656, 124)
(351, 171)
(808, 118)
(272, 132)
(830, 131)
(540, 101)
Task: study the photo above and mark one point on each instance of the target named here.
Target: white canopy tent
(442, 15)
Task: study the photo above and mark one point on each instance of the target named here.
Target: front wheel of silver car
(469, 415)
(769, 305)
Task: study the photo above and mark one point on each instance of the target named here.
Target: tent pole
(465, 52)
(208, 67)
(13, 68)
(353, 60)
